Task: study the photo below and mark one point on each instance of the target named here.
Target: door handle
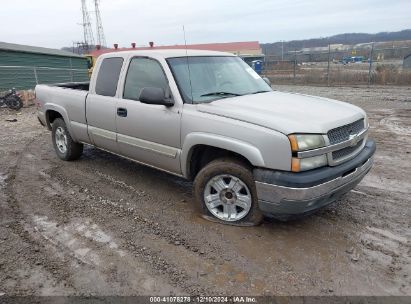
(122, 112)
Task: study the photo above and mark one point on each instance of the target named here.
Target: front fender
(245, 149)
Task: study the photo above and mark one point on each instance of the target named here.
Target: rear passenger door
(148, 133)
(101, 105)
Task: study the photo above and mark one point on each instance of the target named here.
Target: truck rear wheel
(225, 192)
(66, 148)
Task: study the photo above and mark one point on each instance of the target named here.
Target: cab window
(143, 73)
(108, 74)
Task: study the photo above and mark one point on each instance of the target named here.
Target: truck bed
(83, 86)
(69, 99)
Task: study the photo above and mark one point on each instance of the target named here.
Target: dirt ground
(104, 225)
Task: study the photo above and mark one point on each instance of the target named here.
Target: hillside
(347, 38)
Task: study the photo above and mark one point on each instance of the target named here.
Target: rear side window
(143, 73)
(108, 75)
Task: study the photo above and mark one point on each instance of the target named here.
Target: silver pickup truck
(208, 117)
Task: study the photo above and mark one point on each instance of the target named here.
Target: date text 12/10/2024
(203, 299)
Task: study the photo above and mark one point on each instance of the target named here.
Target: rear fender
(63, 113)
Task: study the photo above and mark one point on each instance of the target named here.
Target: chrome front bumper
(275, 199)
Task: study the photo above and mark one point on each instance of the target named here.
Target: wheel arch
(51, 116)
(53, 112)
(202, 148)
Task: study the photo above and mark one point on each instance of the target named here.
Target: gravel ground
(104, 225)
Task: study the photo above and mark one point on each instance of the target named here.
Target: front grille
(343, 133)
(346, 151)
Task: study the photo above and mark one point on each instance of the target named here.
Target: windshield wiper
(220, 94)
(258, 92)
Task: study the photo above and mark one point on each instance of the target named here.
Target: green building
(22, 66)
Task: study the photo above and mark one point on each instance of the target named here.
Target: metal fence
(27, 77)
(339, 67)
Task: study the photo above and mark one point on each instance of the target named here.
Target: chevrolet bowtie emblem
(354, 139)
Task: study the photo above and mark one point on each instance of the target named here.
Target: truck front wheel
(66, 148)
(225, 192)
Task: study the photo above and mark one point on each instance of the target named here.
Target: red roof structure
(231, 47)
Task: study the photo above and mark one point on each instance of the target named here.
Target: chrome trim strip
(148, 145)
(103, 133)
(78, 124)
(276, 193)
(327, 149)
(136, 161)
(135, 142)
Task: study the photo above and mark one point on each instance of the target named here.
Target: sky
(56, 23)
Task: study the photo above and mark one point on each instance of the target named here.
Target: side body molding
(245, 149)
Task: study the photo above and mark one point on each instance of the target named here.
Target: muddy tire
(66, 148)
(225, 192)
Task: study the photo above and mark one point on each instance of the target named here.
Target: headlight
(304, 164)
(302, 142)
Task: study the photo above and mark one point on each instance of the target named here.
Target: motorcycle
(12, 100)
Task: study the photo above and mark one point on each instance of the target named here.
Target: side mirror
(267, 81)
(155, 96)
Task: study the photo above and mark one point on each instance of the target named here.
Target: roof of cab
(168, 53)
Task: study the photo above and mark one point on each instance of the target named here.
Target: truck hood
(286, 112)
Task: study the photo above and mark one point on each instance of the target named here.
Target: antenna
(188, 65)
(101, 39)
(88, 32)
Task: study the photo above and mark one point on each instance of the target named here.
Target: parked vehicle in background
(353, 59)
(210, 118)
(12, 100)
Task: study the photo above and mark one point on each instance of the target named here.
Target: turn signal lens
(304, 164)
(295, 165)
(293, 142)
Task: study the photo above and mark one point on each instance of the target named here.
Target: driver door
(148, 133)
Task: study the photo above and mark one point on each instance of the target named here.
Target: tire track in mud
(386, 189)
(120, 204)
(34, 252)
(195, 265)
(397, 122)
(65, 205)
(33, 234)
(192, 254)
(163, 236)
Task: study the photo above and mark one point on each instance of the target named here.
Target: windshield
(205, 79)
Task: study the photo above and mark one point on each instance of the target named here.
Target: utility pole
(328, 66)
(370, 68)
(101, 39)
(295, 63)
(282, 50)
(88, 32)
